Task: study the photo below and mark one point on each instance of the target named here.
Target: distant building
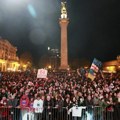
(112, 66)
(8, 58)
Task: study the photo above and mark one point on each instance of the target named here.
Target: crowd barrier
(74, 113)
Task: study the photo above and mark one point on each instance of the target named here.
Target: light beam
(32, 11)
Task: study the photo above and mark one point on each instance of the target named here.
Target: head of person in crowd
(74, 100)
(48, 98)
(11, 97)
(4, 101)
(89, 98)
(38, 97)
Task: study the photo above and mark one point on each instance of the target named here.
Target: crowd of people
(60, 89)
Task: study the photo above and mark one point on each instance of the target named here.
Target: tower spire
(63, 21)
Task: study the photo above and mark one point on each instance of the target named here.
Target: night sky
(32, 26)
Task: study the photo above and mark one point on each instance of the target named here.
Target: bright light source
(2, 61)
(48, 48)
(111, 69)
(49, 67)
(24, 66)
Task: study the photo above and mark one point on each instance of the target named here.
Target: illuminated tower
(63, 21)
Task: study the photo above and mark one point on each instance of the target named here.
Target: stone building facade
(8, 57)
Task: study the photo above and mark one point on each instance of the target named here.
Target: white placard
(77, 111)
(42, 73)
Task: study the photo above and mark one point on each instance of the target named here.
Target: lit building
(8, 57)
(112, 66)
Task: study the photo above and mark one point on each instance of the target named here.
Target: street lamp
(48, 48)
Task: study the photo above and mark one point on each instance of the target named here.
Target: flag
(96, 65)
(91, 74)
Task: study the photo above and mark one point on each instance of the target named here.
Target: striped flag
(96, 65)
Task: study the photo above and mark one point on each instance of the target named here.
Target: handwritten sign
(42, 73)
